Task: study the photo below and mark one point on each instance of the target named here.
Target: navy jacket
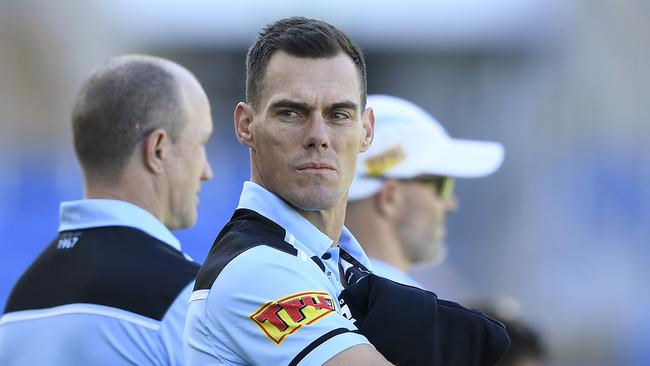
(411, 326)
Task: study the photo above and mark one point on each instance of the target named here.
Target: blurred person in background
(112, 287)
(526, 345)
(403, 188)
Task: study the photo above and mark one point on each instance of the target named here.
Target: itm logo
(280, 318)
(68, 240)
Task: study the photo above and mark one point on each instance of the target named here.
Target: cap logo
(379, 164)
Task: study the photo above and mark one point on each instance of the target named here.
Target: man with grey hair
(403, 188)
(112, 287)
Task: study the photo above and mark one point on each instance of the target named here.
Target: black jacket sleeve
(411, 326)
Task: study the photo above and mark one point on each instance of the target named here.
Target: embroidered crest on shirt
(281, 318)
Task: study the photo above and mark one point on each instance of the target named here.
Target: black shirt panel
(245, 230)
(114, 266)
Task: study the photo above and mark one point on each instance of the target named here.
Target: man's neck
(389, 254)
(377, 237)
(124, 192)
(330, 222)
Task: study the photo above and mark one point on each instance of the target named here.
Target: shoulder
(118, 267)
(247, 230)
(258, 300)
(266, 274)
(270, 307)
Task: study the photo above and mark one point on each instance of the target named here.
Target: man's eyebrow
(344, 105)
(288, 103)
(304, 107)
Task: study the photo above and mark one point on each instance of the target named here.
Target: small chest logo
(68, 240)
(280, 318)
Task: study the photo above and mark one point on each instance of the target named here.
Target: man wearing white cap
(403, 188)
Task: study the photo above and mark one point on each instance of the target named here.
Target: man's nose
(316, 134)
(206, 174)
(452, 203)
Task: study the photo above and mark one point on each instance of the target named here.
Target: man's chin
(435, 255)
(184, 222)
(315, 200)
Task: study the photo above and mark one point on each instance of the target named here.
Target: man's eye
(287, 113)
(339, 116)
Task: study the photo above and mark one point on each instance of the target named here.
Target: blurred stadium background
(563, 227)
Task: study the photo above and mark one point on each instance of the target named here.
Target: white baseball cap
(409, 143)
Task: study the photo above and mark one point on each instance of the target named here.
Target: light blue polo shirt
(386, 270)
(87, 258)
(242, 318)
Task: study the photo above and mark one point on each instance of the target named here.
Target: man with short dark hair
(112, 287)
(268, 291)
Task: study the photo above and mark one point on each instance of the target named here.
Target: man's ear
(389, 200)
(368, 124)
(243, 117)
(156, 148)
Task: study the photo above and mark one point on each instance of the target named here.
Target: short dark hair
(120, 103)
(301, 37)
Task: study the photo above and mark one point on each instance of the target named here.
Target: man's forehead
(314, 81)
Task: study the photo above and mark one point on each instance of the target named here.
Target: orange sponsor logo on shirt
(280, 318)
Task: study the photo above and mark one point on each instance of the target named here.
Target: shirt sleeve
(269, 307)
(171, 328)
